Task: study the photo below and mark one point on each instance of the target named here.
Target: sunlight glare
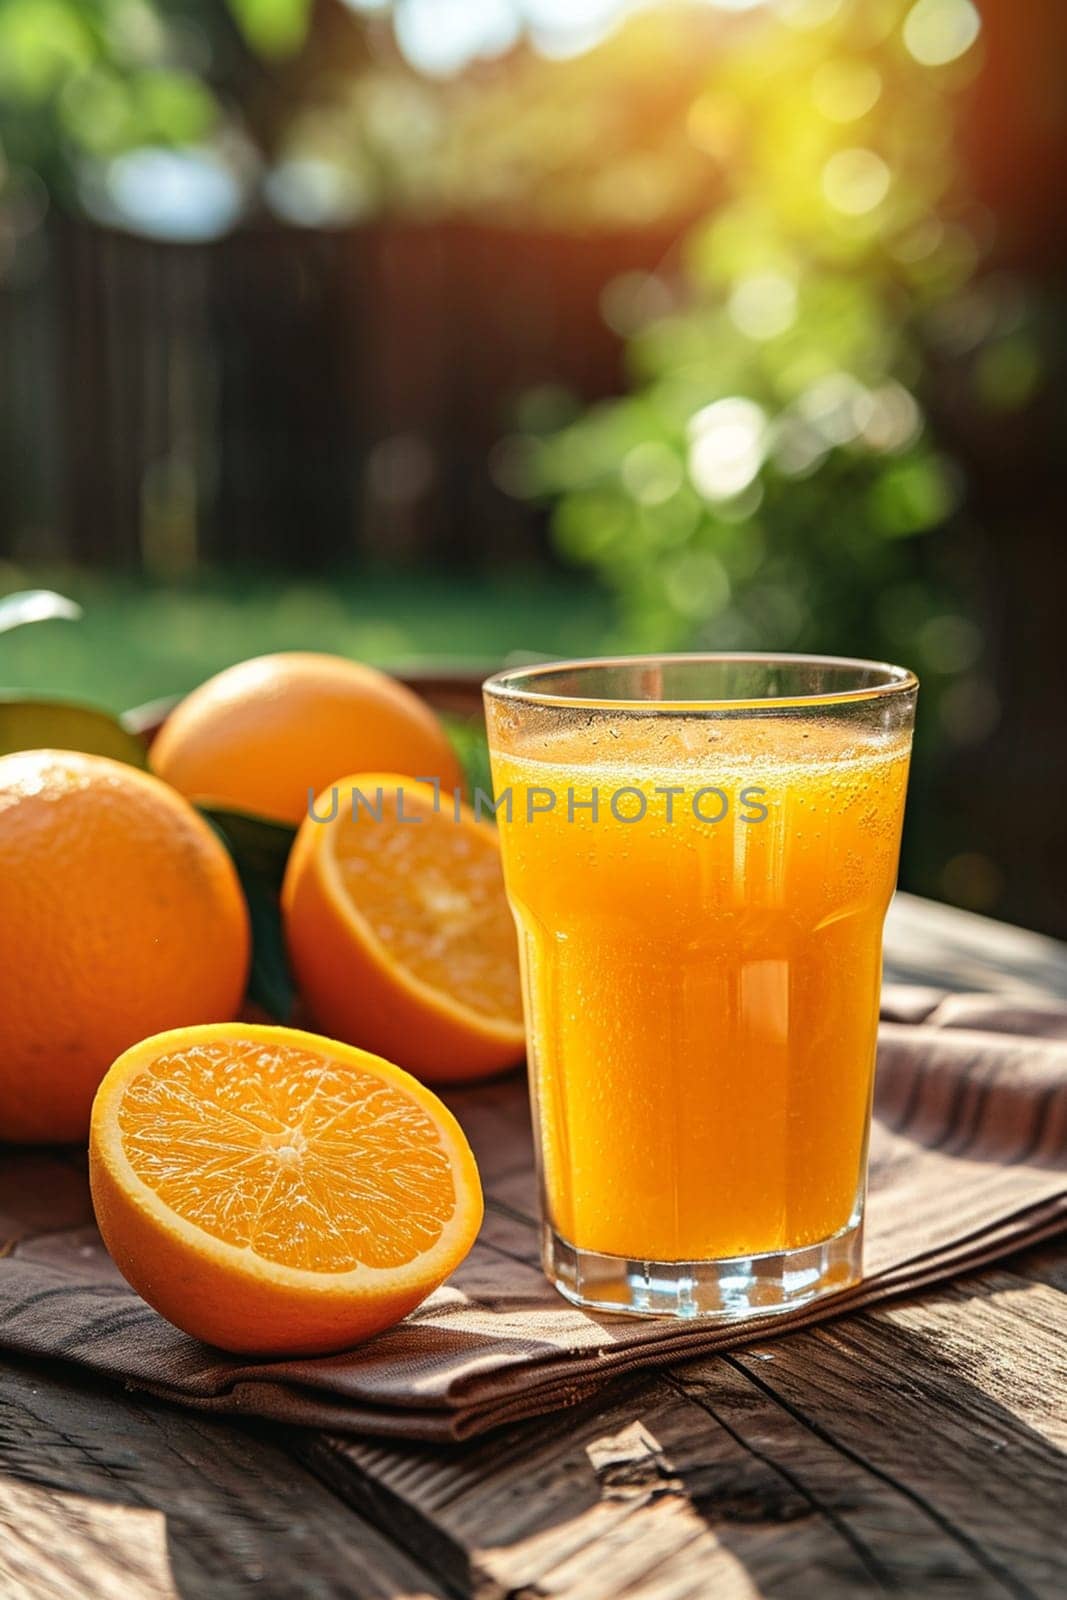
(441, 37)
(727, 442)
(182, 195)
(837, 407)
(855, 181)
(764, 305)
(939, 31)
(844, 91)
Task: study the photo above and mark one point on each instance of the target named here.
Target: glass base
(727, 1290)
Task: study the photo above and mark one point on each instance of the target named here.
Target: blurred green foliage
(772, 478)
(595, 140)
(332, 128)
(273, 27)
(86, 79)
(91, 77)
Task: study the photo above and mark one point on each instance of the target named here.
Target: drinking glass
(699, 851)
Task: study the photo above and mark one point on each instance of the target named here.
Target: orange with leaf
(268, 1190)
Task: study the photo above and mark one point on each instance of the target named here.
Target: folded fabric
(968, 1162)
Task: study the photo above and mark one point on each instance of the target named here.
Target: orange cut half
(399, 931)
(276, 1193)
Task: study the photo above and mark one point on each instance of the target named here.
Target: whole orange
(266, 734)
(120, 915)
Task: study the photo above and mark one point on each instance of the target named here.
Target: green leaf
(467, 736)
(272, 27)
(260, 849)
(36, 605)
(257, 844)
(270, 982)
(31, 724)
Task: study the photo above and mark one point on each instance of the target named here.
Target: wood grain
(53, 1545)
(910, 1450)
(105, 1495)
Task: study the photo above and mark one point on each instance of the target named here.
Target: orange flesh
(432, 893)
(288, 1153)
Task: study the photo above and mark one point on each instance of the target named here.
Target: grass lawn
(138, 641)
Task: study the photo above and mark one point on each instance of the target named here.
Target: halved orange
(399, 931)
(276, 1193)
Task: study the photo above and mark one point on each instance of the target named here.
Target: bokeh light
(315, 193)
(939, 31)
(187, 196)
(844, 91)
(442, 36)
(727, 442)
(764, 305)
(808, 15)
(855, 181)
(837, 408)
(651, 473)
(893, 419)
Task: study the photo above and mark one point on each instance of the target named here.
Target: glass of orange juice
(699, 852)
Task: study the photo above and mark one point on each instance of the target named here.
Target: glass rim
(514, 683)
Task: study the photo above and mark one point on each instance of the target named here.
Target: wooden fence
(289, 397)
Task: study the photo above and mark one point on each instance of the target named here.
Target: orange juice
(701, 962)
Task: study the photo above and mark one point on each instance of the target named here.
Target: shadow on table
(873, 1453)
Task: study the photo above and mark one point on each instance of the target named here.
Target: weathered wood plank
(911, 1449)
(103, 1495)
(53, 1546)
(955, 1399)
(662, 1491)
(541, 1508)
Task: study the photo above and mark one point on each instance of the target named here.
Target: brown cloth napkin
(968, 1161)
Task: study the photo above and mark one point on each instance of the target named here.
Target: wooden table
(914, 1450)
